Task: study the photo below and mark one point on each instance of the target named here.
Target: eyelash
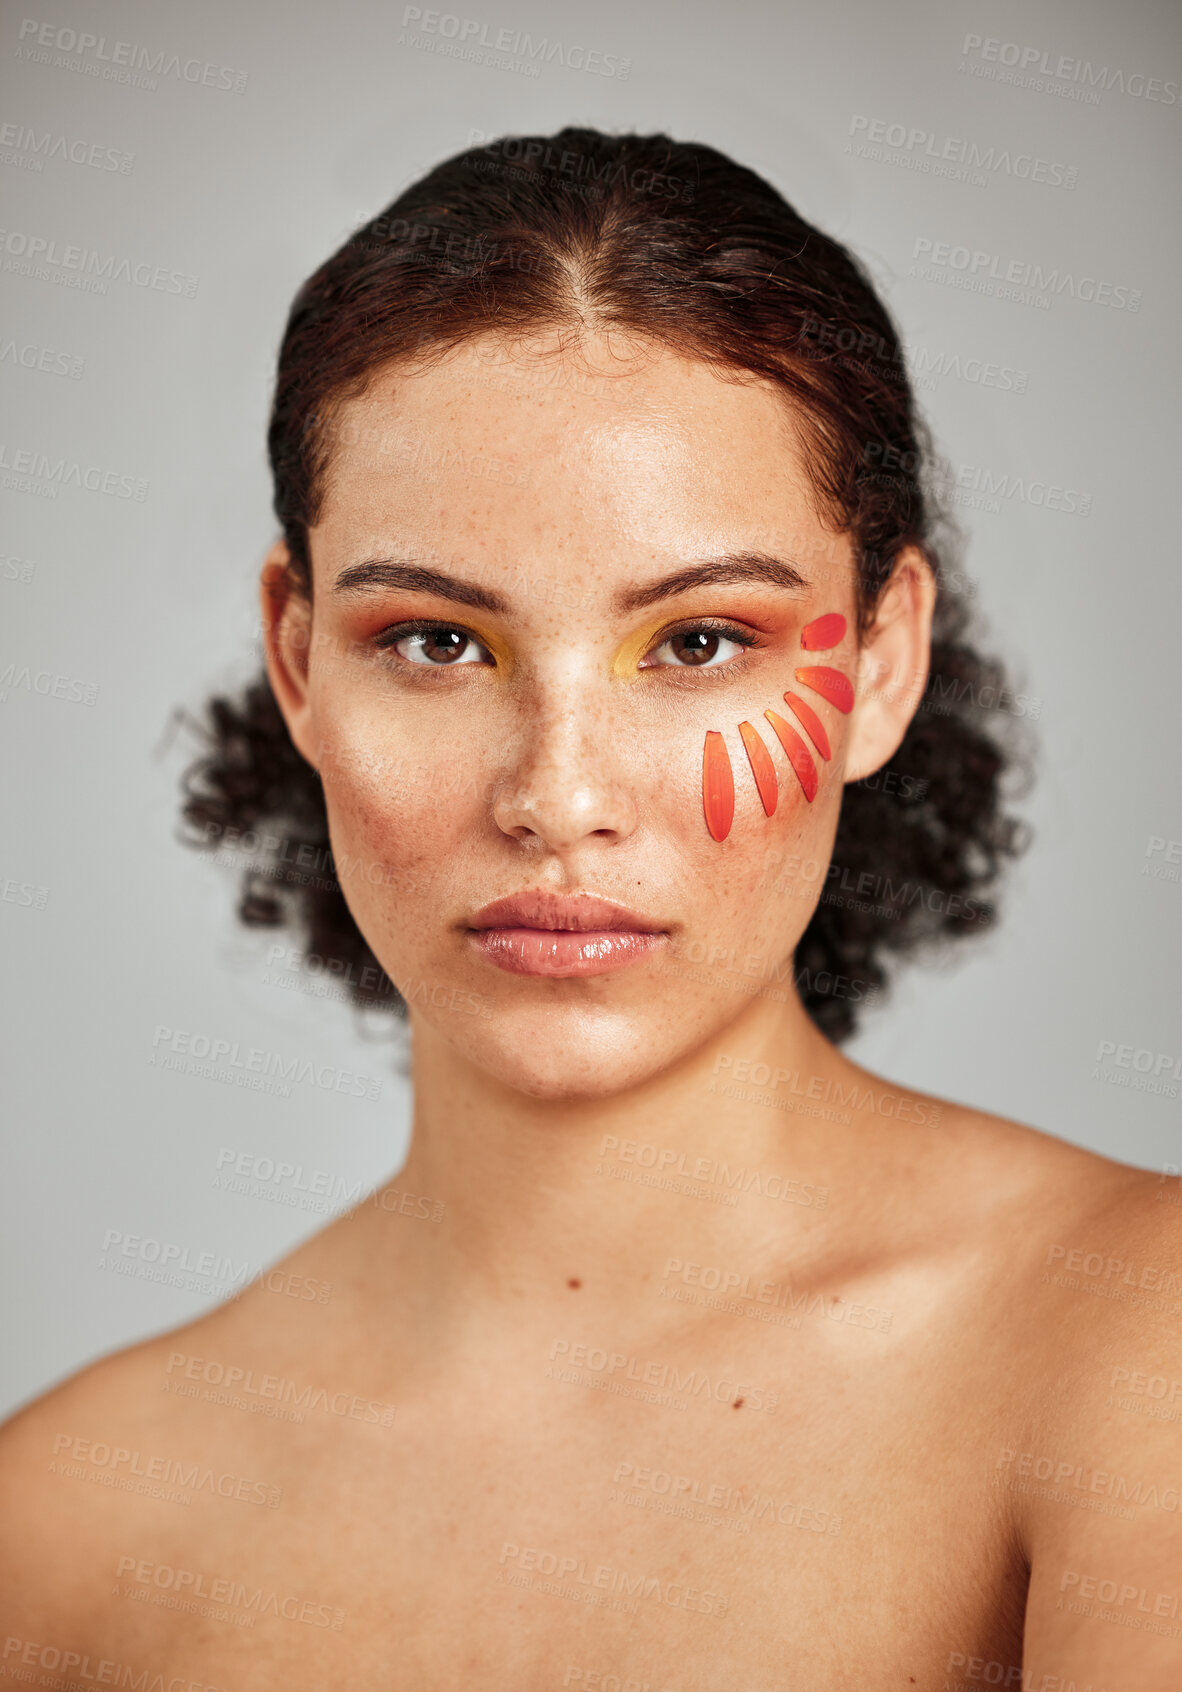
(390, 637)
(424, 625)
(706, 625)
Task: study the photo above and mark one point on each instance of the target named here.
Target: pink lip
(541, 933)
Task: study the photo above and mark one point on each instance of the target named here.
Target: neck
(720, 1160)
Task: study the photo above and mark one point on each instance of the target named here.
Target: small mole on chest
(574, 1282)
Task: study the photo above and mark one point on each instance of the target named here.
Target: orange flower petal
(798, 754)
(718, 785)
(831, 685)
(811, 723)
(827, 631)
(762, 767)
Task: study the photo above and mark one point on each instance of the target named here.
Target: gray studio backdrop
(1008, 173)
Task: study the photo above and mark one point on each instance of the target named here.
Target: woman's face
(540, 581)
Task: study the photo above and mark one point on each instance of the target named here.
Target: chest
(702, 1528)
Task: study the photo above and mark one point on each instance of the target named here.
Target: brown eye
(440, 646)
(696, 649)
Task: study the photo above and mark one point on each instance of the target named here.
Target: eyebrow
(715, 572)
(376, 574)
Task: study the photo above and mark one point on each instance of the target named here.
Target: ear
(287, 641)
(892, 665)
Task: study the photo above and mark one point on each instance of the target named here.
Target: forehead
(559, 456)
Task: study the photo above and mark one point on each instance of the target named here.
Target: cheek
(395, 810)
(807, 753)
(752, 895)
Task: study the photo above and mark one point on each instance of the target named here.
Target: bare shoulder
(1082, 1255)
(1085, 1284)
(1024, 1182)
(82, 1468)
(1058, 1252)
(1095, 1255)
(140, 1459)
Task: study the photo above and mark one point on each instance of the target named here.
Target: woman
(605, 647)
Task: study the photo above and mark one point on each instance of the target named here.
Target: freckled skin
(592, 763)
(831, 1358)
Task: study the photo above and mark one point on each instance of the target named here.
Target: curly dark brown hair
(675, 242)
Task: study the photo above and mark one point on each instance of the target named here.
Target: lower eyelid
(391, 642)
(743, 642)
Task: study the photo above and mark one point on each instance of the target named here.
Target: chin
(562, 1052)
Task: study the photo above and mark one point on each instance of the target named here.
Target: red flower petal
(827, 631)
(812, 724)
(762, 767)
(798, 754)
(831, 685)
(718, 785)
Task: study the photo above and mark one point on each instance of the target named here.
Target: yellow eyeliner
(633, 650)
(500, 651)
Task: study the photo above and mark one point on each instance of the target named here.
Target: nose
(568, 785)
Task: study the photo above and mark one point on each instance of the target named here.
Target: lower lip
(544, 951)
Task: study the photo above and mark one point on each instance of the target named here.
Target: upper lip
(583, 913)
